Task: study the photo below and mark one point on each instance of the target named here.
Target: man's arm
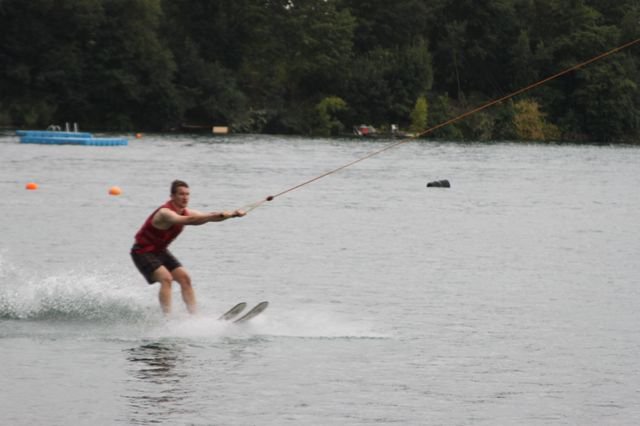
(165, 218)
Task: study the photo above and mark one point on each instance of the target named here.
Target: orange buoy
(138, 135)
(31, 186)
(114, 190)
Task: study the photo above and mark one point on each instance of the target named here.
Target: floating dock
(50, 137)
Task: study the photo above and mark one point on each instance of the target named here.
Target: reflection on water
(167, 378)
(157, 390)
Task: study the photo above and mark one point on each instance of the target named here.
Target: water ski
(233, 312)
(256, 310)
(237, 309)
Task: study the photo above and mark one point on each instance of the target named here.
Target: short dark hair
(177, 184)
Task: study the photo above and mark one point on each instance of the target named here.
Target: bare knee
(182, 277)
(165, 281)
(164, 278)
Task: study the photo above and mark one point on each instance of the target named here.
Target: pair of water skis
(233, 314)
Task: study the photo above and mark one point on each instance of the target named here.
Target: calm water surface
(509, 299)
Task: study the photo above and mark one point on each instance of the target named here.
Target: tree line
(318, 67)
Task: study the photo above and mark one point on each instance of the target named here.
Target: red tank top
(149, 238)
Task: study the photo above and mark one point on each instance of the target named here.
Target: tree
(606, 98)
(441, 112)
(130, 71)
(381, 24)
(453, 46)
(298, 51)
(529, 122)
(471, 42)
(44, 58)
(327, 118)
(419, 115)
(267, 65)
(522, 66)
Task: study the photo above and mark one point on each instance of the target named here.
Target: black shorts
(147, 263)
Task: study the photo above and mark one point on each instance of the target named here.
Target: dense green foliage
(320, 67)
(419, 115)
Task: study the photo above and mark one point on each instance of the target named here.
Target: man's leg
(181, 275)
(163, 276)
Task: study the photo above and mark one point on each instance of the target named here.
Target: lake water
(510, 298)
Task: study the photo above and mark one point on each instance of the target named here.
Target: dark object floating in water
(439, 184)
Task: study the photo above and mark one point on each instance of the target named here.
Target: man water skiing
(150, 254)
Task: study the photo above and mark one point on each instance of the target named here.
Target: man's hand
(235, 213)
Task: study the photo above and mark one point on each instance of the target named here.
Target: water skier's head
(180, 193)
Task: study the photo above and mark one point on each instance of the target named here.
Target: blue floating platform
(50, 133)
(48, 137)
